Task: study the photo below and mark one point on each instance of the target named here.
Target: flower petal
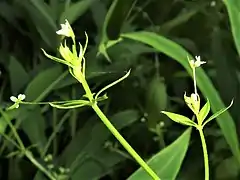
(21, 97)
(13, 98)
(198, 58)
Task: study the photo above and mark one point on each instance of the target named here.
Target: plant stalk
(205, 153)
(124, 143)
(115, 132)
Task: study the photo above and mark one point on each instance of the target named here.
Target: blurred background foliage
(157, 82)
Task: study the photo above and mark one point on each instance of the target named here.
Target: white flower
(197, 62)
(66, 30)
(20, 97)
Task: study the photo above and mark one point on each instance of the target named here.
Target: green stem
(38, 165)
(115, 132)
(205, 153)
(125, 144)
(194, 81)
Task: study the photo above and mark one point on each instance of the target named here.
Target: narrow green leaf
(112, 84)
(40, 14)
(34, 126)
(176, 52)
(180, 118)
(99, 10)
(204, 111)
(40, 84)
(104, 37)
(75, 10)
(56, 59)
(70, 105)
(233, 8)
(181, 18)
(215, 115)
(167, 162)
(45, 10)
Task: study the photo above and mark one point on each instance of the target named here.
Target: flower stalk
(193, 102)
(76, 65)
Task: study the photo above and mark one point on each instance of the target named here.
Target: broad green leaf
(204, 111)
(42, 83)
(34, 126)
(179, 54)
(18, 75)
(233, 8)
(75, 10)
(179, 118)
(167, 162)
(218, 113)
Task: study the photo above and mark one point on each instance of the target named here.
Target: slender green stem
(23, 149)
(38, 165)
(54, 130)
(194, 81)
(115, 132)
(125, 144)
(73, 120)
(14, 131)
(205, 153)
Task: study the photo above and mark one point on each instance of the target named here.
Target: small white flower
(20, 97)
(66, 30)
(197, 62)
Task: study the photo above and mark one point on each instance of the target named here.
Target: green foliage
(178, 53)
(152, 38)
(167, 162)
